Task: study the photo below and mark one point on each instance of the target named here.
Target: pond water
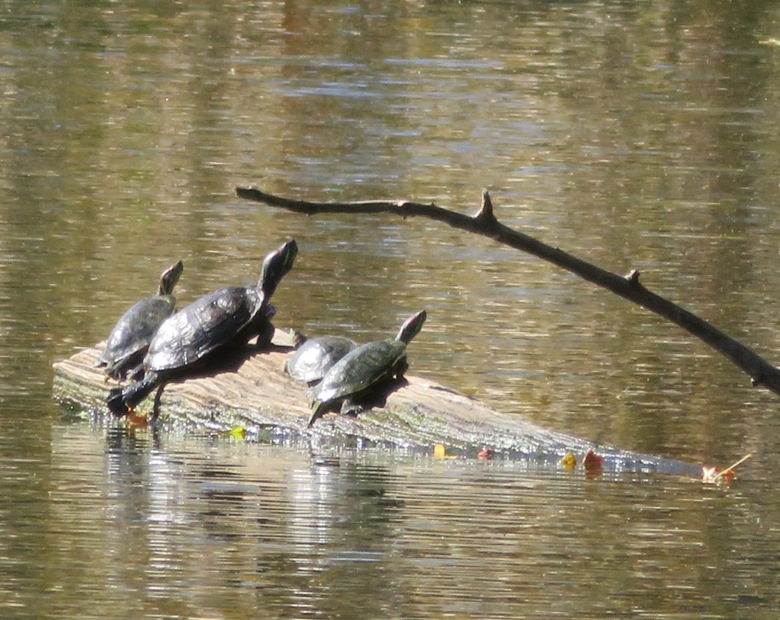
(634, 135)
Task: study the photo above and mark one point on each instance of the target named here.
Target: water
(632, 136)
(219, 528)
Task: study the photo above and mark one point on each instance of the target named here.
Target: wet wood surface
(252, 391)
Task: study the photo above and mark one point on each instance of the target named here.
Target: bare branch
(485, 223)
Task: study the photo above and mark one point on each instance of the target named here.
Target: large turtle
(211, 325)
(362, 370)
(129, 339)
(315, 356)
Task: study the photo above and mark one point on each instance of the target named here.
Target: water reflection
(268, 523)
(210, 527)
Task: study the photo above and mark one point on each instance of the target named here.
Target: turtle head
(411, 327)
(169, 277)
(275, 266)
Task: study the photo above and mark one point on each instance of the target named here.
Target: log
(251, 391)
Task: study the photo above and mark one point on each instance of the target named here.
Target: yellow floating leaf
(439, 451)
(237, 432)
(569, 461)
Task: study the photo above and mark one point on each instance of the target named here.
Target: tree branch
(484, 223)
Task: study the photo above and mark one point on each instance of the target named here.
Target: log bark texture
(252, 391)
(484, 223)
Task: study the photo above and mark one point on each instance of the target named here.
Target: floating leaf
(716, 475)
(593, 462)
(485, 454)
(440, 452)
(138, 419)
(238, 432)
(569, 461)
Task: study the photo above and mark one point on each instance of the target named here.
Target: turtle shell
(359, 370)
(220, 321)
(129, 339)
(222, 318)
(316, 356)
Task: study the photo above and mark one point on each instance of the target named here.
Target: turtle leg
(401, 366)
(137, 373)
(265, 337)
(351, 407)
(156, 406)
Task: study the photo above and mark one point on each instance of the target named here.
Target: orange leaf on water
(138, 419)
(716, 475)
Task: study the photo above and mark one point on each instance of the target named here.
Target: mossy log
(252, 391)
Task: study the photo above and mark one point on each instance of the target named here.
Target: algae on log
(251, 390)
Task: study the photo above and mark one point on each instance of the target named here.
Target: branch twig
(484, 223)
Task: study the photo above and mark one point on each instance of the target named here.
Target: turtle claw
(318, 410)
(351, 408)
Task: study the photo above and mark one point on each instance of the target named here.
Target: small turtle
(315, 356)
(200, 332)
(363, 369)
(129, 339)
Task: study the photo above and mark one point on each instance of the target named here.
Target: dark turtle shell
(315, 356)
(217, 322)
(129, 339)
(357, 373)
(228, 317)
(359, 370)
(211, 322)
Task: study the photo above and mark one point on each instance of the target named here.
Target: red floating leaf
(485, 454)
(593, 462)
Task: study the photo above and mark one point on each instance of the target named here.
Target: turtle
(362, 370)
(129, 339)
(315, 356)
(204, 330)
